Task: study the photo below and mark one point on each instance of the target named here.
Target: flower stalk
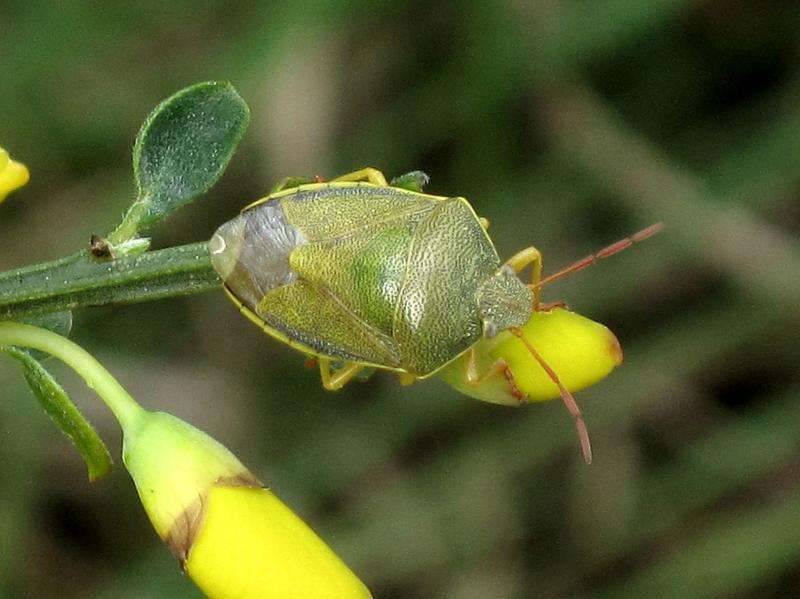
(124, 407)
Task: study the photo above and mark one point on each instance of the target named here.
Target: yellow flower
(580, 351)
(13, 175)
(249, 531)
(234, 538)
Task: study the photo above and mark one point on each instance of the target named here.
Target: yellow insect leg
(371, 175)
(498, 368)
(533, 257)
(333, 381)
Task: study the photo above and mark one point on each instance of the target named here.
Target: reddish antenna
(614, 248)
(566, 396)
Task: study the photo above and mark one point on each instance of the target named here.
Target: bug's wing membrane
(315, 319)
(436, 316)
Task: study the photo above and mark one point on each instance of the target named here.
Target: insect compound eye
(489, 329)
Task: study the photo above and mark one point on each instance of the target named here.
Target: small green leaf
(64, 414)
(182, 149)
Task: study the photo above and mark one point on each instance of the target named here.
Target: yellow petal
(251, 545)
(13, 175)
(580, 351)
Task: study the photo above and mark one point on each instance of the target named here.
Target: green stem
(79, 280)
(9, 275)
(129, 227)
(124, 407)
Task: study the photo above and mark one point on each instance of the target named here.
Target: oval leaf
(182, 149)
(64, 414)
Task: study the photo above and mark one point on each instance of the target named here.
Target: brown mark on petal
(188, 525)
(615, 348)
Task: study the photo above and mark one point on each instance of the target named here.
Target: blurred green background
(569, 124)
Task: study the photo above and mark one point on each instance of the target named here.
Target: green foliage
(55, 401)
(181, 151)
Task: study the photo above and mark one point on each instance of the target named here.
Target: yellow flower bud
(252, 545)
(12, 174)
(233, 537)
(580, 351)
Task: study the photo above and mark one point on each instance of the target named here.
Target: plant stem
(124, 407)
(41, 267)
(80, 280)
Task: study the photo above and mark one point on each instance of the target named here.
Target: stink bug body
(368, 274)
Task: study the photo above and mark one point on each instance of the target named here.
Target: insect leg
(498, 367)
(484, 223)
(406, 378)
(333, 381)
(290, 182)
(533, 257)
(371, 175)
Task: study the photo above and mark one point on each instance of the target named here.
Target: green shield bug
(362, 273)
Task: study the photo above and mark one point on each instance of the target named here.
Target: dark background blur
(569, 124)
